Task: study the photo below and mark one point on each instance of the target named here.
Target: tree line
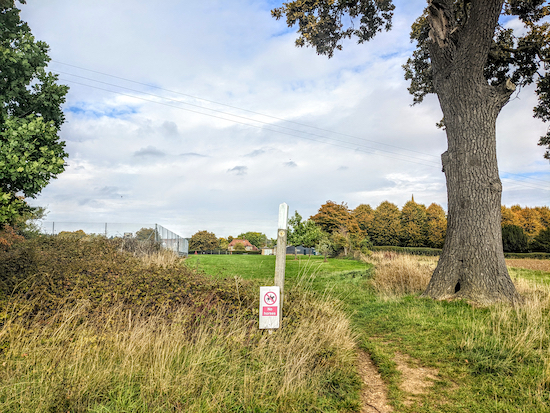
(337, 229)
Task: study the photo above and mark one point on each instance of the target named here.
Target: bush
(514, 239)
(46, 272)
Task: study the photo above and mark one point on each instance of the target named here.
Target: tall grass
(120, 361)
(503, 338)
(399, 274)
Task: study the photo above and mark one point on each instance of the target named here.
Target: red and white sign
(269, 307)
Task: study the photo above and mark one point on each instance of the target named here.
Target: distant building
(300, 250)
(268, 251)
(247, 245)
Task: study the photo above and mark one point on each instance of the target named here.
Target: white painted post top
(283, 216)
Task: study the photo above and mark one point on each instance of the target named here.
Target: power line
(362, 148)
(234, 107)
(358, 147)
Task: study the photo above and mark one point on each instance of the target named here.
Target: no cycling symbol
(270, 298)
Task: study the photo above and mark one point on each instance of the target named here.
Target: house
(247, 245)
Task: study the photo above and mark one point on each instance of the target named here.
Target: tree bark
(472, 264)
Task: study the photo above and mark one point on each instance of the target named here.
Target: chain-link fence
(142, 232)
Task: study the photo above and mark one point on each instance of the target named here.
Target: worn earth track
(415, 380)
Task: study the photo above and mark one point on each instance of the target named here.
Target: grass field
(494, 359)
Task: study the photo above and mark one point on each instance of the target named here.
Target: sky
(204, 115)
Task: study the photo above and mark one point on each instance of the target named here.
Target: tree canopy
(31, 153)
(203, 241)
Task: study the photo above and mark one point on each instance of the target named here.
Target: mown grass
(87, 327)
(490, 359)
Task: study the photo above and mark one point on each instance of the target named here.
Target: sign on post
(270, 307)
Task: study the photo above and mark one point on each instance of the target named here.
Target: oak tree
(473, 63)
(31, 153)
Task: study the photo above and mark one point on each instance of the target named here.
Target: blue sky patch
(116, 112)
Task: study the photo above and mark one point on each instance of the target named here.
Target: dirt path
(415, 380)
(374, 396)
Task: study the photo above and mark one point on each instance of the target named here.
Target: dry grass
(398, 274)
(163, 258)
(121, 361)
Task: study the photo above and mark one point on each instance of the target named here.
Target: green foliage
(145, 234)
(324, 24)
(436, 226)
(203, 241)
(305, 233)
(255, 238)
(514, 239)
(517, 55)
(414, 225)
(31, 153)
(239, 247)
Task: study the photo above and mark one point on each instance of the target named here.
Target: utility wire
(236, 107)
(237, 116)
(361, 149)
(354, 146)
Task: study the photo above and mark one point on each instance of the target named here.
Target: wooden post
(280, 260)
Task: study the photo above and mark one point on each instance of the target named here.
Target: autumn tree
(203, 241)
(544, 214)
(31, 153)
(364, 215)
(436, 226)
(508, 216)
(473, 64)
(332, 216)
(386, 224)
(413, 225)
(529, 219)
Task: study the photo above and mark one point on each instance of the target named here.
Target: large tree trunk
(472, 263)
